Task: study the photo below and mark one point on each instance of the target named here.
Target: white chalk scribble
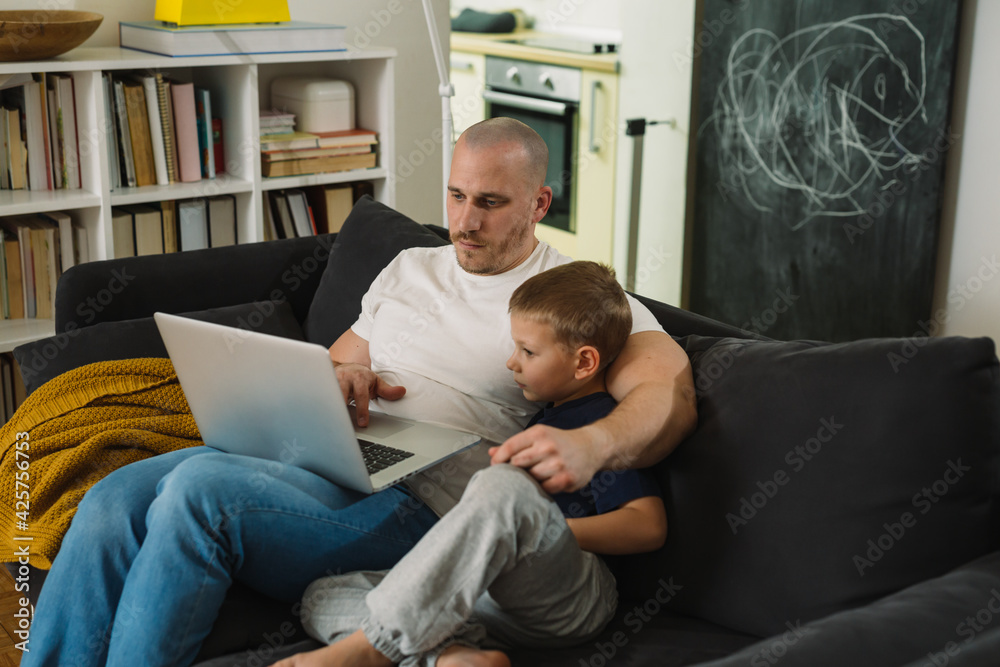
(820, 114)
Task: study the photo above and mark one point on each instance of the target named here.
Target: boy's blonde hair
(582, 302)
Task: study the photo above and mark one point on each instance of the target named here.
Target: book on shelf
(124, 139)
(138, 126)
(67, 134)
(286, 37)
(186, 129)
(14, 282)
(168, 211)
(56, 140)
(163, 97)
(151, 96)
(15, 151)
(203, 121)
(331, 204)
(283, 223)
(298, 206)
(315, 140)
(301, 153)
(12, 389)
(111, 133)
(317, 165)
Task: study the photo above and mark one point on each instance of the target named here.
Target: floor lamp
(446, 91)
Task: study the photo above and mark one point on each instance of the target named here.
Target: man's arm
(636, 527)
(352, 363)
(651, 380)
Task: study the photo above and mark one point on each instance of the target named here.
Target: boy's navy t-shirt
(610, 488)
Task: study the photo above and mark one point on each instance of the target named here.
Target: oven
(547, 99)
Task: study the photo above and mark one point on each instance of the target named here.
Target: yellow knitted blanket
(70, 433)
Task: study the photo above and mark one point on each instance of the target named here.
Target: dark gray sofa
(837, 504)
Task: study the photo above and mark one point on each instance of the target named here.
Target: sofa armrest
(135, 287)
(943, 617)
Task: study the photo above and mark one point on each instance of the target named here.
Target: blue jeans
(145, 565)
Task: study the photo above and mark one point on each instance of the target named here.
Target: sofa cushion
(371, 237)
(825, 476)
(42, 360)
(930, 623)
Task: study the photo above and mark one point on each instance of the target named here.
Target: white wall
(396, 23)
(967, 295)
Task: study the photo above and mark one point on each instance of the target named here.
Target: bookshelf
(240, 86)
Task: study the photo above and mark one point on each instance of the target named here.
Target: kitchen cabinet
(468, 77)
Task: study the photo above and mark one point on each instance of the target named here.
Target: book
(56, 139)
(317, 165)
(356, 137)
(270, 230)
(66, 103)
(298, 206)
(111, 133)
(152, 98)
(218, 149)
(192, 224)
(203, 121)
(186, 127)
(122, 235)
(286, 37)
(15, 285)
(4, 151)
(124, 138)
(147, 229)
(302, 153)
(276, 118)
(67, 238)
(41, 90)
(331, 205)
(138, 127)
(290, 141)
(18, 152)
(45, 263)
(163, 97)
(27, 101)
(282, 216)
(221, 221)
(168, 210)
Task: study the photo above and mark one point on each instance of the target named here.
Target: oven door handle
(550, 107)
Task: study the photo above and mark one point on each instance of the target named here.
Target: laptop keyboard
(380, 457)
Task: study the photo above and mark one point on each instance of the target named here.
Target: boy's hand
(560, 460)
(362, 384)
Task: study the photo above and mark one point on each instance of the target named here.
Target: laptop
(275, 398)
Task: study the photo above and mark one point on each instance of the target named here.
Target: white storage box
(319, 105)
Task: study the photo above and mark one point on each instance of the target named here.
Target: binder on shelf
(168, 211)
(282, 216)
(122, 234)
(167, 126)
(192, 224)
(331, 204)
(147, 229)
(222, 221)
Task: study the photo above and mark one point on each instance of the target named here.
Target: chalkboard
(822, 135)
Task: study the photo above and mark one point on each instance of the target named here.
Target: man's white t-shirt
(444, 334)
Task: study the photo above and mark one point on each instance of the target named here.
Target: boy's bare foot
(352, 651)
(465, 656)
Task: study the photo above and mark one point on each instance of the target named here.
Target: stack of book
(37, 249)
(319, 209)
(160, 131)
(206, 40)
(317, 152)
(274, 122)
(172, 226)
(38, 131)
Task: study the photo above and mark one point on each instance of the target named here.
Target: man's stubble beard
(499, 257)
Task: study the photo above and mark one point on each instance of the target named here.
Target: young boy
(508, 566)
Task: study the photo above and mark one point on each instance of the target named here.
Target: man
(154, 547)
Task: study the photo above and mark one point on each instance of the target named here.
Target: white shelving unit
(240, 86)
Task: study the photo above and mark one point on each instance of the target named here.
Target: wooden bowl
(35, 34)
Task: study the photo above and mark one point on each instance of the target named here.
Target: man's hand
(561, 460)
(362, 384)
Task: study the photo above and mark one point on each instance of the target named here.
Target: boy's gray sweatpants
(501, 569)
